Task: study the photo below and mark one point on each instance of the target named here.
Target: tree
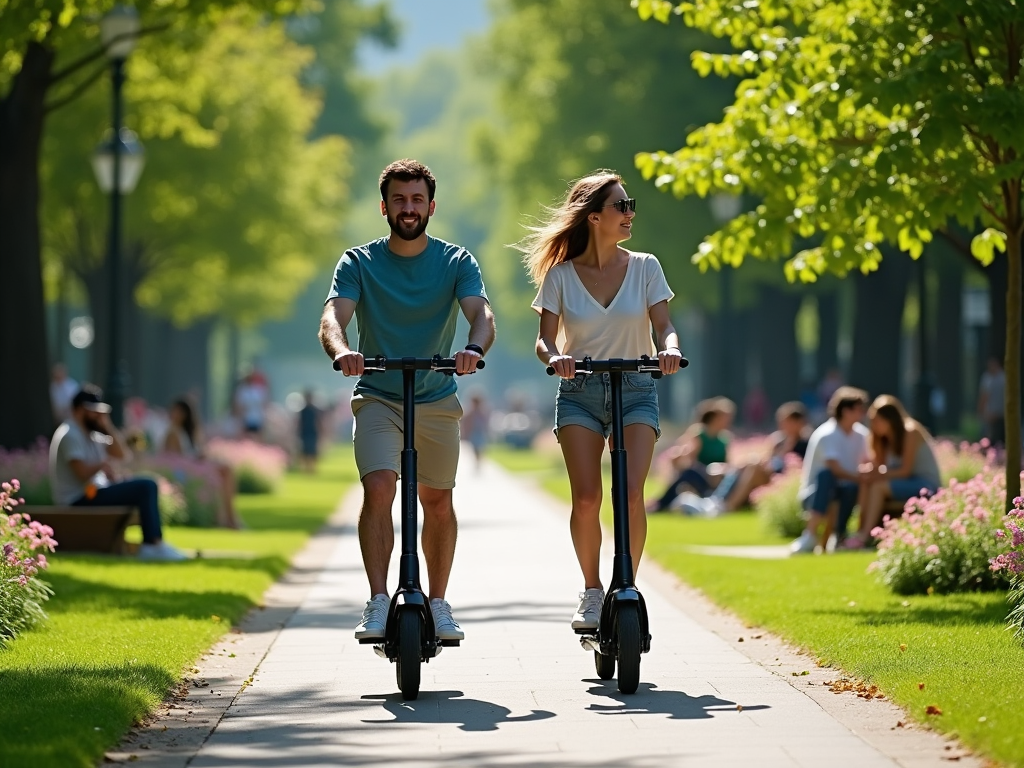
(860, 122)
(51, 54)
(237, 207)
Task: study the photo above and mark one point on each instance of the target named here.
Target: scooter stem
(409, 562)
(622, 565)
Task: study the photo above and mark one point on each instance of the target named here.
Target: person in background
(991, 394)
(831, 473)
(475, 426)
(251, 403)
(790, 438)
(704, 444)
(902, 466)
(62, 389)
(81, 474)
(184, 438)
(310, 425)
(832, 381)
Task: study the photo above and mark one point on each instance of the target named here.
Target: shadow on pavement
(450, 707)
(650, 700)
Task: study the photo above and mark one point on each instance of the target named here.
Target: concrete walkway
(520, 690)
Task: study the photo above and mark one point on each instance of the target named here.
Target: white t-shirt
(252, 399)
(623, 328)
(70, 442)
(830, 443)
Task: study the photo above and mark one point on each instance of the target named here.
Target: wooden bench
(86, 529)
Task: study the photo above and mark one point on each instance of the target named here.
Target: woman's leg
(751, 476)
(639, 439)
(582, 449)
(874, 498)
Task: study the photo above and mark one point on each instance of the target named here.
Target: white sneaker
(445, 626)
(588, 615)
(804, 545)
(689, 504)
(162, 552)
(713, 506)
(375, 616)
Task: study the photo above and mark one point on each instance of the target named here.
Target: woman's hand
(564, 365)
(669, 360)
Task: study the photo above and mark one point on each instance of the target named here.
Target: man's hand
(350, 363)
(669, 360)
(564, 365)
(465, 361)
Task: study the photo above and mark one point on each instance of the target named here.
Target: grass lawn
(121, 633)
(951, 652)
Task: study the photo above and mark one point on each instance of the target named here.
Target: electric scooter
(409, 634)
(623, 632)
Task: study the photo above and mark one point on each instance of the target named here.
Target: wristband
(475, 348)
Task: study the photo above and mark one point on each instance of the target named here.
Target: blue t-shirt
(407, 306)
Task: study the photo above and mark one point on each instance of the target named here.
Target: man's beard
(408, 233)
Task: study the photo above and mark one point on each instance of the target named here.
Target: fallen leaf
(920, 686)
(903, 646)
(739, 707)
(905, 603)
(740, 640)
(900, 724)
(931, 709)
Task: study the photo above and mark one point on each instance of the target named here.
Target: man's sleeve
(72, 446)
(347, 282)
(469, 281)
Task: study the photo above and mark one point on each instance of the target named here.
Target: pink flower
(932, 549)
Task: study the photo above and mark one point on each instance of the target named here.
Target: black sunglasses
(626, 204)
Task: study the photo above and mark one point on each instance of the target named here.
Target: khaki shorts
(378, 435)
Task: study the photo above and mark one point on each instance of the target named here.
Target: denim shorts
(904, 488)
(586, 401)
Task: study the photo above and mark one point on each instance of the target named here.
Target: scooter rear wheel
(407, 665)
(628, 625)
(605, 665)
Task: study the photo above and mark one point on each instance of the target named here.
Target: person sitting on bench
(81, 475)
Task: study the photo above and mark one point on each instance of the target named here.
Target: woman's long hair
(889, 408)
(564, 234)
(188, 421)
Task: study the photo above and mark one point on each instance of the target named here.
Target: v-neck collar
(615, 298)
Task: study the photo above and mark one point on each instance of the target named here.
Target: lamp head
(118, 30)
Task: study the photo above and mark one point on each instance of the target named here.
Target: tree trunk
(878, 325)
(998, 281)
(827, 356)
(777, 345)
(24, 390)
(949, 348)
(1012, 358)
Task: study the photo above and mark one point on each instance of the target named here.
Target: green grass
(121, 632)
(955, 645)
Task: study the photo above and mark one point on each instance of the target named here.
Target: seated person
(701, 446)
(81, 476)
(183, 437)
(831, 473)
(902, 465)
(791, 437)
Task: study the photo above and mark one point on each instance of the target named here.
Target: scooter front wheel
(407, 665)
(605, 664)
(628, 626)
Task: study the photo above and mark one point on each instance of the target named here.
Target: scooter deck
(379, 640)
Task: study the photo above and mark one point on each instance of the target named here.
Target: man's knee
(379, 490)
(436, 502)
(826, 475)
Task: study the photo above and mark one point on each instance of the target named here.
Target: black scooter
(623, 632)
(409, 635)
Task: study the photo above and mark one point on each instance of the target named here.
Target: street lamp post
(118, 164)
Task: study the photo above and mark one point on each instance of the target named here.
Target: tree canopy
(860, 122)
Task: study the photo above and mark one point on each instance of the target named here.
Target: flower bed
(1011, 564)
(32, 468)
(22, 593)
(189, 494)
(945, 543)
(964, 461)
(258, 468)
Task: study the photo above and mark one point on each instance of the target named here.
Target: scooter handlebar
(643, 364)
(380, 364)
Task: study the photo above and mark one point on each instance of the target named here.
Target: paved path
(520, 691)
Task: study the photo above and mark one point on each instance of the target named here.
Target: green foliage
(583, 84)
(237, 207)
(778, 504)
(857, 122)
